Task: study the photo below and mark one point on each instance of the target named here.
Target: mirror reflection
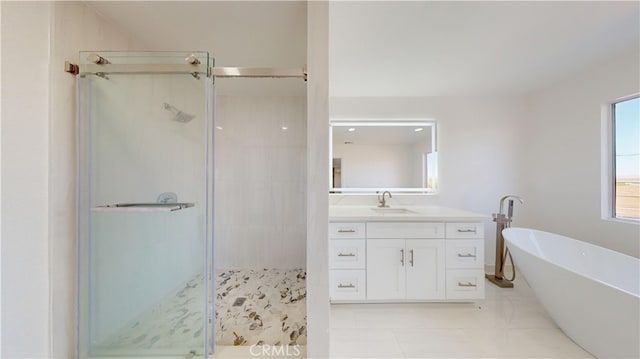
(374, 156)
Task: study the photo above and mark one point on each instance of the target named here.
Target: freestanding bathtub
(592, 293)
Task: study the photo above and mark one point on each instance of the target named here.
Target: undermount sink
(395, 210)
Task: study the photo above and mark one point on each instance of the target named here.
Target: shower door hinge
(71, 68)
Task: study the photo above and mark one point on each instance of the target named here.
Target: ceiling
(235, 33)
(393, 48)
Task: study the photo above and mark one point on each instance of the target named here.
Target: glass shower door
(144, 210)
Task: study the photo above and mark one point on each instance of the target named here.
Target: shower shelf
(142, 207)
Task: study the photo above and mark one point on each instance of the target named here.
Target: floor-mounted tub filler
(592, 293)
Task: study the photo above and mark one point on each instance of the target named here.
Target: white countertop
(410, 213)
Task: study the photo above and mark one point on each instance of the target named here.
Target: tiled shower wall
(260, 182)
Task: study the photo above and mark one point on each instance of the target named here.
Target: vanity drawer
(346, 230)
(465, 284)
(405, 230)
(347, 254)
(465, 253)
(465, 230)
(347, 284)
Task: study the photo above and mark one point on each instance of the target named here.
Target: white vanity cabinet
(465, 260)
(378, 260)
(405, 261)
(347, 258)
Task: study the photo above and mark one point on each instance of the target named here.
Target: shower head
(178, 115)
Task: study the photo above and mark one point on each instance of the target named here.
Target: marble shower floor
(273, 312)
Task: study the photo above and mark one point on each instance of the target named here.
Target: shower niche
(145, 205)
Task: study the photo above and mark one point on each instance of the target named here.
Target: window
(626, 159)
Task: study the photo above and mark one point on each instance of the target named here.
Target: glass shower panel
(144, 208)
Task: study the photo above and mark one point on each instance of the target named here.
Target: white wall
(317, 179)
(38, 160)
(25, 179)
(260, 181)
(544, 146)
(76, 27)
(560, 165)
(477, 147)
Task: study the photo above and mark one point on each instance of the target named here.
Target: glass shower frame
(132, 64)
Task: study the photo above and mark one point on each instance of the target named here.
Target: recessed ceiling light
(219, 127)
(351, 129)
(284, 127)
(418, 129)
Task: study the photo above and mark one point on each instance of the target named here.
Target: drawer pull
(346, 255)
(402, 257)
(466, 255)
(467, 230)
(468, 284)
(411, 260)
(346, 231)
(350, 285)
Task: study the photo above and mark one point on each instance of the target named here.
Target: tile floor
(508, 323)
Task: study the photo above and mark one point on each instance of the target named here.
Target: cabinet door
(426, 276)
(386, 260)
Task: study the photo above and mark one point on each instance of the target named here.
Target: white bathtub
(592, 293)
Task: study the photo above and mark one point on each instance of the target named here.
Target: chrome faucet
(381, 202)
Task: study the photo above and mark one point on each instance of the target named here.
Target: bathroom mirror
(367, 157)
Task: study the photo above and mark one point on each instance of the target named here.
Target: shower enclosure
(145, 204)
(147, 283)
